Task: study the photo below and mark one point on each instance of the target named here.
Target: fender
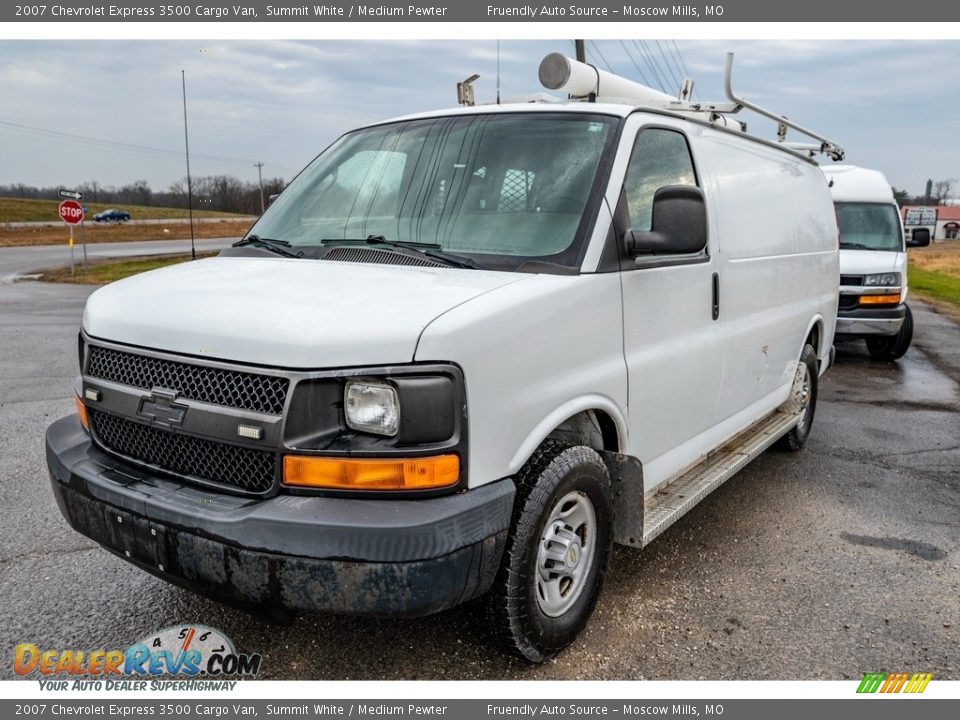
(563, 412)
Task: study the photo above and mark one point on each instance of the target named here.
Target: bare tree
(91, 190)
(943, 190)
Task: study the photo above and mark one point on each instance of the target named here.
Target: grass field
(108, 271)
(111, 232)
(934, 273)
(22, 210)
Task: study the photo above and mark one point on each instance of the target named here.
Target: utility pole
(186, 144)
(581, 52)
(259, 167)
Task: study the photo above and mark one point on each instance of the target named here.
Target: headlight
(882, 280)
(372, 407)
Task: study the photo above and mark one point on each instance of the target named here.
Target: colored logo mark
(894, 682)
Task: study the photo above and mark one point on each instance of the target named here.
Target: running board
(664, 508)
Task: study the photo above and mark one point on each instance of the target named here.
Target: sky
(112, 112)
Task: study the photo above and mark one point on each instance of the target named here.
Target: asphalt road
(19, 261)
(153, 221)
(825, 564)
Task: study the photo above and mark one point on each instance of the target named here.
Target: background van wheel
(556, 554)
(803, 398)
(893, 347)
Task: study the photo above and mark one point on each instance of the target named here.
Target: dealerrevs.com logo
(181, 651)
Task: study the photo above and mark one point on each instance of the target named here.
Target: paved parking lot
(842, 559)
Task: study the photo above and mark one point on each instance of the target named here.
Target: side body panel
(533, 354)
(779, 271)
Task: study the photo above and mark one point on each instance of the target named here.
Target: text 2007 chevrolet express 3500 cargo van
(462, 353)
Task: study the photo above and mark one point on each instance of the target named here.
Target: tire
(893, 347)
(804, 398)
(562, 509)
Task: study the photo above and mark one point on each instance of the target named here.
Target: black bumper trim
(889, 313)
(357, 556)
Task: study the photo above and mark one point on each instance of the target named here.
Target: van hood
(284, 313)
(868, 262)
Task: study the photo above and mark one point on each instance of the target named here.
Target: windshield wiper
(280, 247)
(431, 250)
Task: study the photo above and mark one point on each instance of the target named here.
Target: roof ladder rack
(587, 82)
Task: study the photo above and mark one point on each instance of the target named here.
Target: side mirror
(272, 198)
(678, 225)
(920, 237)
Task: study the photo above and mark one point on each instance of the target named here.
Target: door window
(660, 158)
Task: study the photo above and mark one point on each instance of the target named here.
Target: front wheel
(893, 347)
(556, 554)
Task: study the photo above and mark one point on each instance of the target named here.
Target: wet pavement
(824, 564)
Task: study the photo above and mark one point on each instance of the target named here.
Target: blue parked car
(112, 215)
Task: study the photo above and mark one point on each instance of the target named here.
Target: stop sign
(71, 212)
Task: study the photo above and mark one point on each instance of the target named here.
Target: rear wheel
(802, 400)
(895, 346)
(556, 553)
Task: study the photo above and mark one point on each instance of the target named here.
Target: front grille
(241, 468)
(384, 257)
(232, 388)
(851, 280)
(848, 302)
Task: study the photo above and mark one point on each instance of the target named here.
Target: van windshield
(500, 189)
(869, 226)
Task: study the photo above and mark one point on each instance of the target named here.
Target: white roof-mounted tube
(558, 72)
(827, 147)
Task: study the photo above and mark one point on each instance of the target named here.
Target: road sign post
(71, 212)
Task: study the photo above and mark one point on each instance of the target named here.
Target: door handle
(716, 296)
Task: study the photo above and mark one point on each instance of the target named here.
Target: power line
(660, 66)
(127, 147)
(630, 56)
(647, 58)
(676, 49)
(596, 49)
(668, 63)
(683, 65)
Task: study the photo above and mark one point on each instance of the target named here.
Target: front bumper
(865, 322)
(385, 557)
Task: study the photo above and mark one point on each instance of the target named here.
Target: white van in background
(873, 262)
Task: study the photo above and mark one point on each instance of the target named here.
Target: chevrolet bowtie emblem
(160, 409)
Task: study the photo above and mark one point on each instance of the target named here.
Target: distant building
(943, 221)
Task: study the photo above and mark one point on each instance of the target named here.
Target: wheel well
(593, 428)
(814, 338)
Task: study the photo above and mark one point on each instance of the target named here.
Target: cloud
(281, 102)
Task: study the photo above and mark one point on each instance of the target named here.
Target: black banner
(821, 11)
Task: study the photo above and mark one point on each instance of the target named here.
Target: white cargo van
(462, 353)
(873, 262)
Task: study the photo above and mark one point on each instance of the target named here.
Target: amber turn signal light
(424, 473)
(82, 413)
(880, 299)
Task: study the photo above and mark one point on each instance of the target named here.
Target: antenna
(186, 144)
(498, 72)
